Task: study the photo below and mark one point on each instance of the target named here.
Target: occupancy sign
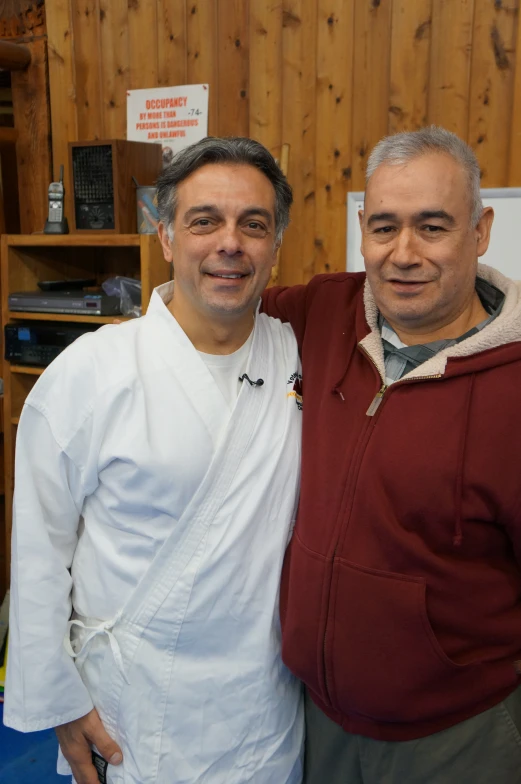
(173, 116)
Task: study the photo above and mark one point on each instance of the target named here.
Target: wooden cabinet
(27, 259)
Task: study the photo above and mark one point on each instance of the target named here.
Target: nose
(405, 252)
(229, 240)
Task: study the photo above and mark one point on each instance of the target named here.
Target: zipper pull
(375, 403)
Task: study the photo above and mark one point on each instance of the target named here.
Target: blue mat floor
(28, 758)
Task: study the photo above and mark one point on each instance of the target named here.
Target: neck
(212, 336)
(473, 314)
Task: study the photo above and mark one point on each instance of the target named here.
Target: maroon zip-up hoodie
(401, 589)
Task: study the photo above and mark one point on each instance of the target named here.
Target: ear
(165, 242)
(361, 222)
(483, 230)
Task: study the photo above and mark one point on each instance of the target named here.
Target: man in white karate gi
(157, 471)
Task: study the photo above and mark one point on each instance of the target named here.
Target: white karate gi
(167, 517)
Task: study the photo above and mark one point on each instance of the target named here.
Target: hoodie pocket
(383, 660)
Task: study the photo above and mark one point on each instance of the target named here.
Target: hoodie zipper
(371, 411)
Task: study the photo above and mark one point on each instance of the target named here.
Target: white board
(504, 251)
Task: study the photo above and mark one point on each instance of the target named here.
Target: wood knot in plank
(397, 112)
(498, 47)
(289, 19)
(346, 173)
(422, 30)
(133, 5)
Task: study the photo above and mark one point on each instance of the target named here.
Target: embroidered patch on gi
(295, 380)
(101, 766)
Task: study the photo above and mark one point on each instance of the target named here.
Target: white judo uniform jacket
(150, 529)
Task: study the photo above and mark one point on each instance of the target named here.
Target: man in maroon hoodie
(401, 591)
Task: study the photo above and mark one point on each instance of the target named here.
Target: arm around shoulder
(287, 303)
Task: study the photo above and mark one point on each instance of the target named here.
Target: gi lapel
(177, 551)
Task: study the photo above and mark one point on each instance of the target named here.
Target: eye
(254, 228)
(384, 230)
(429, 228)
(202, 226)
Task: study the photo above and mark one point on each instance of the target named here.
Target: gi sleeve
(43, 687)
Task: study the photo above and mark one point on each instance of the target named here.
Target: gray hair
(228, 150)
(403, 147)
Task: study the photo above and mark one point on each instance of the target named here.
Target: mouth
(226, 276)
(407, 286)
(227, 279)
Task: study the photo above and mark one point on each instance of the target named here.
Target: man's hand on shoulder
(76, 739)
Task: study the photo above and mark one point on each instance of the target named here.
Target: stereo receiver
(38, 344)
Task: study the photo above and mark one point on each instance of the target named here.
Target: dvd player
(76, 303)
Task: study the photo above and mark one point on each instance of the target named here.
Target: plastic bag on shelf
(129, 292)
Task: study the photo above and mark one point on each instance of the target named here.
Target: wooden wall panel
(87, 62)
(491, 84)
(449, 77)
(171, 42)
(33, 152)
(370, 81)
(203, 67)
(327, 77)
(142, 44)
(409, 71)
(115, 67)
(266, 72)
(334, 112)
(62, 85)
(514, 165)
(299, 46)
(234, 71)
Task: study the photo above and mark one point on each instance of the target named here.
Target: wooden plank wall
(31, 116)
(328, 77)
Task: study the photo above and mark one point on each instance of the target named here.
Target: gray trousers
(485, 749)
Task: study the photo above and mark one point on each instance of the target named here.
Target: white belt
(104, 627)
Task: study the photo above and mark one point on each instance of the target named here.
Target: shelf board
(74, 240)
(19, 315)
(27, 369)
(15, 420)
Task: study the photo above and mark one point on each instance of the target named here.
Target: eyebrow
(440, 214)
(376, 217)
(381, 216)
(214, 210)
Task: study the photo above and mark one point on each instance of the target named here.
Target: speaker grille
(92, 170)
(93, 187)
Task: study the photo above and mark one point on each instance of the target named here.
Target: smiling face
(223, 247)
(419, 247)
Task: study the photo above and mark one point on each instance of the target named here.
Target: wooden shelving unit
(27, 259)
